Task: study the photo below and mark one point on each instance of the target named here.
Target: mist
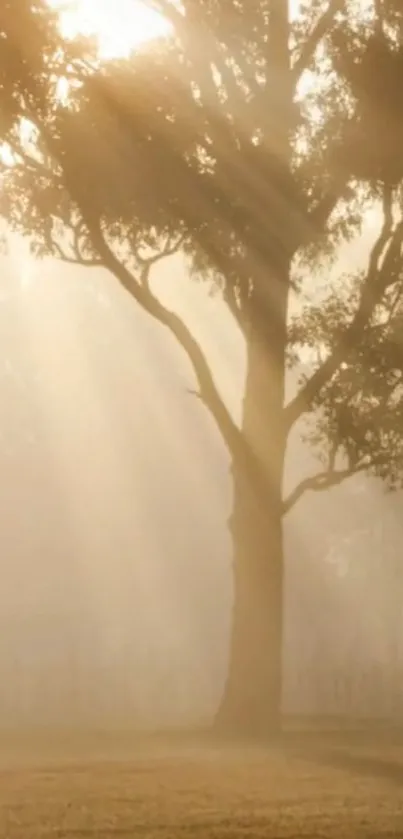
(116, 591)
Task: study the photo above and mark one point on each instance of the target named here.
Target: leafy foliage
(159, 142)
(360, 406)
(249, 153)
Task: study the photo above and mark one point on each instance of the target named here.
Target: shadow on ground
(374, 752)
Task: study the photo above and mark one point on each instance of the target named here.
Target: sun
(119, 25)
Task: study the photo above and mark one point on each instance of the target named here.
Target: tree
(254, 179)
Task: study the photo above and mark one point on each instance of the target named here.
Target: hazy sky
(115, 488)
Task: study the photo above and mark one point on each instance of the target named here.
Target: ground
(118, 787)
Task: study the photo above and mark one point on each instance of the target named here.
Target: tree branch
(59, 253)
(171, 246)
(231, 299)
(318, 32)
(73, 256)
(323, 480)
(379, 279)
(319, 215)
(141, 292)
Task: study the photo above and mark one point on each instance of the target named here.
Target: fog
(115, 494)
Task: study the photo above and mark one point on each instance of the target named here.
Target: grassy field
(117, 787)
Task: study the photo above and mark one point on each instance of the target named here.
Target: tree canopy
(181, 146)
(254, 140)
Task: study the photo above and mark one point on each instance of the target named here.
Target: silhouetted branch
(325, 480)
(143, 295)
(231, 299)
(20, 156)
(141, 292)
(72, 255)
(315, 483)
(171, 246)
(314, 38)
(73, 259)
(319, 216)
(378, 280)
(206, 55)
(395, 303)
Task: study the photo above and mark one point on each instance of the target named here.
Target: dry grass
(158, 791)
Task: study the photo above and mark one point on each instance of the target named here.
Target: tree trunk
(251, 704)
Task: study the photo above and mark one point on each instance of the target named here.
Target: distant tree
(253, 141)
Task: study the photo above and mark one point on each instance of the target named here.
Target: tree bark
(251, 703)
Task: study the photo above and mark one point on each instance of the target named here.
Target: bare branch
(231, 299)
(323, 480)
(171, 247)
(73, 260)
(141, 292)
(74, 257)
